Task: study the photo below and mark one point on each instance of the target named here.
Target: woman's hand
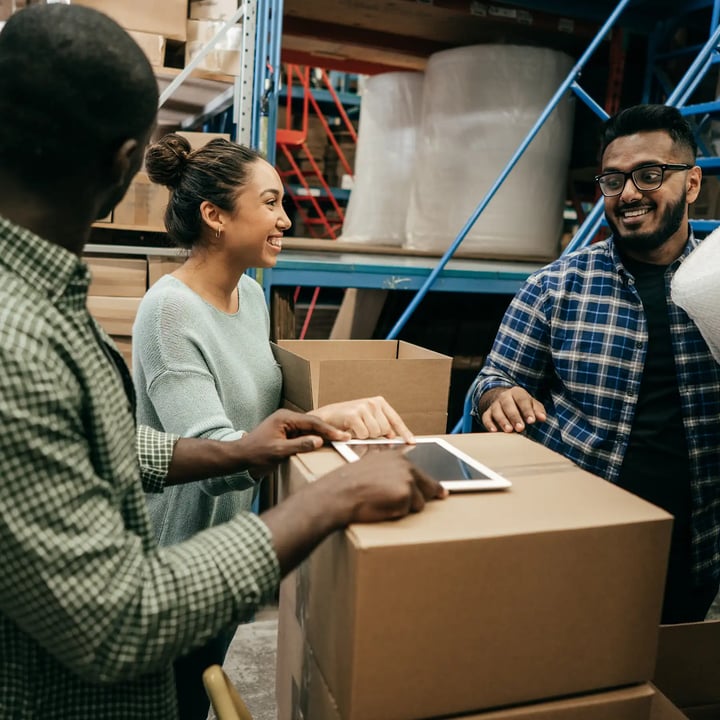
(365, 418)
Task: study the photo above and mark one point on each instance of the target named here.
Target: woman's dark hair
(214, 172)
(648, 118)
(73, 87)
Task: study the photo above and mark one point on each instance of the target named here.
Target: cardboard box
(152, 45)
(163, 17)
(117, 277)
(226, 55)
(551, 588)
(302, 692)
(124, 347)
(116, 315)
(159, 266)
(688, 667)
(414, 380)
(143, 205)
(198, 139)
(212, 9)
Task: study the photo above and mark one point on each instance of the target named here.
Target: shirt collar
(51, 269)
(690, 245)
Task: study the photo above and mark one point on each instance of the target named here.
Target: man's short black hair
(73, 87)
(648, 118)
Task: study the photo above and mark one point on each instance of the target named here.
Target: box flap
(406, 350)
(341, 349)
(297, 378)
(688, 664)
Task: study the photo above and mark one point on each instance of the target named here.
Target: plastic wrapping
(385, 159)
(479, 103)
(696, 289)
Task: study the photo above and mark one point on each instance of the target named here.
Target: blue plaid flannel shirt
(575, 337)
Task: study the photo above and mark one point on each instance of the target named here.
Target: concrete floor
(250, 664)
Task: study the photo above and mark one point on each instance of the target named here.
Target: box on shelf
(118, 277)
(212, 9)
(551, 588)
(124, 346)
(414, 380)
(226, 55)
(198, 139)
(143, 205)
(688, 667)
(115, 315)
(152, 44)
(159, 266)
(164, 17)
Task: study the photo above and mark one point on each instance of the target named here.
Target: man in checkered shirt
(92, 614)
(594, 360)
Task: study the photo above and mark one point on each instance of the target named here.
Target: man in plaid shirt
(594, 360)
(92, 613)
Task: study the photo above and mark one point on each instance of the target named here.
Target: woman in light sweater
(202, 362)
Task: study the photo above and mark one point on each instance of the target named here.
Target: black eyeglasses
(645, 178)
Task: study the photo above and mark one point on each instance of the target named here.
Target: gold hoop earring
(217, 232)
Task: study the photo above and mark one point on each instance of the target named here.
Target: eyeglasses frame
(663, 167)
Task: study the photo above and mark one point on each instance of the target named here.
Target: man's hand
(382, 486)
(282, 434)
(276, 438)
(510, 409)
(365, 418)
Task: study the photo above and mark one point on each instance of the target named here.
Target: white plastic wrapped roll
(479, 103)
(385, 159)
(696, 289)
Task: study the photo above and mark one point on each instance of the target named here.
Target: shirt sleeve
(521, 352)
(81, 573)
(154, 451)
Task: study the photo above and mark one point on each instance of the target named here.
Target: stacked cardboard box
(688, 668)
(482, 603)
(414, 380)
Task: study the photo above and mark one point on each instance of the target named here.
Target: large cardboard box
(226, 55)
(164, 17)
(688, 667)
(414, 380)
(663, 709)
(143, 205)
(115, 315)
(212, 9)
(152, 44)
(117, 277)
(551, 588)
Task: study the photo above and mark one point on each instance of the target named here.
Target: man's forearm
(198, 459)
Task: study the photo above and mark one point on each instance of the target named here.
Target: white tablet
(455, 470)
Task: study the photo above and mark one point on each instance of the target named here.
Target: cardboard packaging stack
(688, 668)
(414, 380)
(540, 601)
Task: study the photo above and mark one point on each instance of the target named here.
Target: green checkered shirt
(91, 612)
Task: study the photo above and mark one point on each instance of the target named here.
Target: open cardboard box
(551, 588)
(414, 380)
(688, 668)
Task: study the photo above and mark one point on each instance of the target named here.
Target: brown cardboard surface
(159, 266)
(663, 709)
(212, 9)
(550, 588)
(124, 346)
(152, 44)
(116, 315)
(319, 372)
(165, 17)
(143, 205)
(198, 139)
(688, 664)
(118, 277)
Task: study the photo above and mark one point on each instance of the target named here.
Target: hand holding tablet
(455, 470)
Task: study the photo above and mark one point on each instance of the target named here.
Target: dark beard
(645, 242)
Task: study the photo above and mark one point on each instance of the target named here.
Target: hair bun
(165, 160)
